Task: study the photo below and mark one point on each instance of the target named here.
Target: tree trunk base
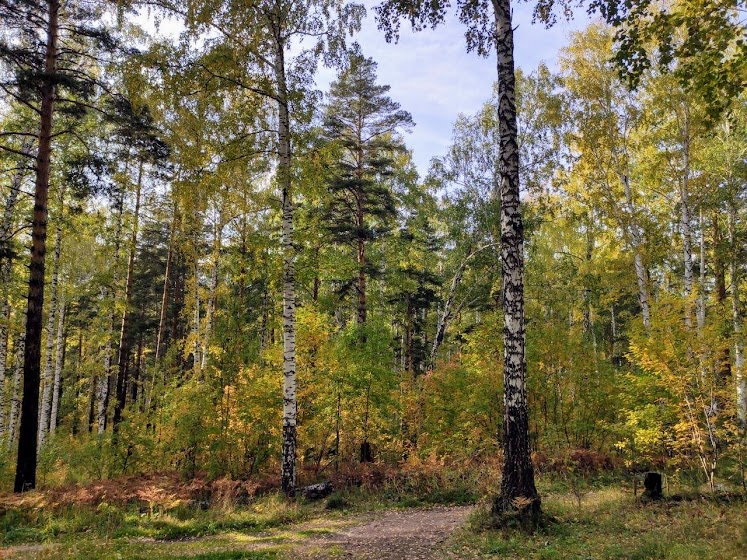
(521, 513)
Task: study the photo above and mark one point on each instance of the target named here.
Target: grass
(612, 525)
(602, 522)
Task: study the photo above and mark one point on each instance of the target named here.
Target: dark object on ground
(318, 491)
(652, 483)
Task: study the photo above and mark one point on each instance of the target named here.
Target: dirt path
(391, 535)
(415, 534)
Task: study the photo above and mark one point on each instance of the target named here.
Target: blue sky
(434, 78)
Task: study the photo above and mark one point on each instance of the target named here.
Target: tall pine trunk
(288, 468)
(518, 491)
(25, 478)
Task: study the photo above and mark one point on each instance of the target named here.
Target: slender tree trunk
(640, 269)
(587, 287)
(643, 295)
(135, 382)
(445, 315)
(361, 288)
(719, 274)
(6, 264)
(103, 389)
(211, 303)
(48, 382)
(288, 479)
(124, 331)
(408, 338)
(687, 251)
(317, 282)
(736, 308)
(518, 490)
(700, 309)
(2, 392)
(59, 363)
(15, 401)
(197, 362)
(165, 293)
(25, 478)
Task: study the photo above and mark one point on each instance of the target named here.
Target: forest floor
(415, 534)
(605, 522)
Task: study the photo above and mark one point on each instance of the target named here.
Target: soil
(391, 535)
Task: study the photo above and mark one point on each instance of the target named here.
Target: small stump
(317, 491)
(652, 483)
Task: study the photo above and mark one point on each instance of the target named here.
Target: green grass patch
(612, 525)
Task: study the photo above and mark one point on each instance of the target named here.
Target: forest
(238, 321)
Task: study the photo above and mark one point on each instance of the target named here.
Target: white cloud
(433, 77)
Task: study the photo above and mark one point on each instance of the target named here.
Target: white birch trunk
(517, 479)
(701, 307)
(739, 375)
(5, 278)
(196, 326)
(288, 468)
(59, 355)
(640, 269)
(15, 402)
(46, 402)
(687, 251)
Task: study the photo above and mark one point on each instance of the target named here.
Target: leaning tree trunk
(47, 382)
(518, 491)
(288, 474)
(59, 362)
(124, 331)
(25, 478)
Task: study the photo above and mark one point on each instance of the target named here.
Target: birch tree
(609, 119)
(485, 33)
(256, 56)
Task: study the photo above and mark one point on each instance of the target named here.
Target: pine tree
(364, 122)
